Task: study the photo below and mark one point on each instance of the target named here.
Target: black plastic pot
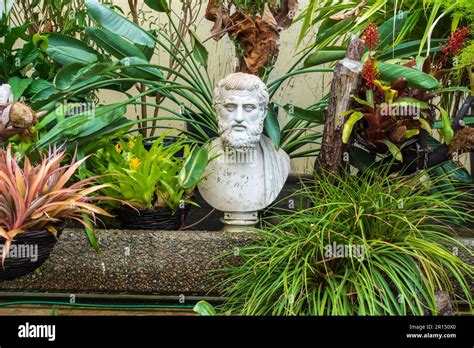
(150, 219)
(40, 243)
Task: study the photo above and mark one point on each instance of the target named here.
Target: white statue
(249, 172)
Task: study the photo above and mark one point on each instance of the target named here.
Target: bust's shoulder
(268, 145)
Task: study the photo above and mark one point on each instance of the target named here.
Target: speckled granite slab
(132, 262)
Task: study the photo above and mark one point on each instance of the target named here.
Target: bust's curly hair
(242, 82)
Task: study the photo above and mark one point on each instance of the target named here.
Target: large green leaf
(66, 50)
(415, 78)
(272, 127)
(408, 49)
(45, 99)
(75, 73)
(315, 116)
(143, 70)
(193, 168)
(390, 28)
(307, 22)
(19, 86)
(82, 125)
(114, 44)
(118, 24)
(118, 126)
(410, 102)
(325, 55)
(199, 51)
(349, 125)
(158, 5)
(330, 28)
(66, 75)
(37, 86)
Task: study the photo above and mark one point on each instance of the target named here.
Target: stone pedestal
(239, 221)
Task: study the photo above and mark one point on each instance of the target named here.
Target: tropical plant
(67, 17)
(414, 29)
(395, 78)
(428, 19)
(391, 116)
(368, 245)
(78, 127)
(26, 28)
(186, 84)
(157, 177)
(40, 196)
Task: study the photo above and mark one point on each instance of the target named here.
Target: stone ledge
(132, 262)
(138, 263)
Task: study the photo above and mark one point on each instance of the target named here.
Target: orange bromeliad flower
(134, 163)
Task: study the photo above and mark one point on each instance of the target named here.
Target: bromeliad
(38, 196)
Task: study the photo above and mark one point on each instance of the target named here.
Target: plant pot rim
(58, 226)
(126, 208)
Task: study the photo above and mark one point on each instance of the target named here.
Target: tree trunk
(346, 78)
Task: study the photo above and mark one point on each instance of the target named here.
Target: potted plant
(35, 200)
(152, 185)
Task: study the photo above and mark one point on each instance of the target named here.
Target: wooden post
(346, 77)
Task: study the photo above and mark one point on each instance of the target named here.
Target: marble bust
(248, 172)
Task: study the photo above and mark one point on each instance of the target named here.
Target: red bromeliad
(372, 36)
(370, 72)
(456, 42)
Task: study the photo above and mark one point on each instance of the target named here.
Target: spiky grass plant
(39, 196)
(398, 232)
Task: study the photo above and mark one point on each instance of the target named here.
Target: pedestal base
(239, 221)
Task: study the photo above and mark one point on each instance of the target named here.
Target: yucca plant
(368, 245)
(39, 196)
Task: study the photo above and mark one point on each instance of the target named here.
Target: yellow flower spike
(134, 163)
(118, 148)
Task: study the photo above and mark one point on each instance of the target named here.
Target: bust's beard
(241, 143)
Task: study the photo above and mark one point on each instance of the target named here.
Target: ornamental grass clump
(40, 196)
(371, 244)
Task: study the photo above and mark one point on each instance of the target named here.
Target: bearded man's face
(240, 118)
